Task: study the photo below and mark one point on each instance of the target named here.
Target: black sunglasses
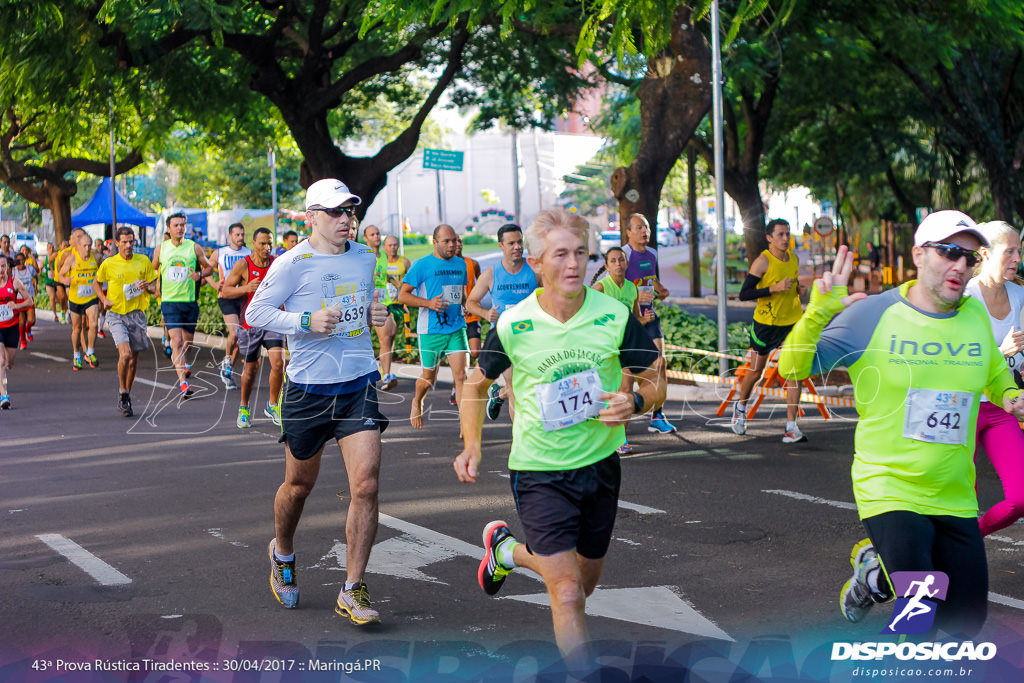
(954, 252)
(339, 211)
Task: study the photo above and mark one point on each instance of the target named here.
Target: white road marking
(642, 509)
(1005, 539)
(149, 382)
(812, 499)
(992, 597)
(219, 533)
(48, 356)
(1004, 600)
(86, 561)
(657, 606)
(403, 556)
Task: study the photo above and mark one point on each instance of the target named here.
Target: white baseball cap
(329, 193)
(940, 225)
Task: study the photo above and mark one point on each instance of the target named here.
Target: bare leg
(132, 367)
(299, 478)
(174, 334)
(276, 374)
(231, 348)
(4, 360)
(792, 400)
(386, 337)
(569, 580)
(361, 452)
(423, 384)
(76, 332)
(750, 379)
(125, 362)
(458, 361)
(249, 375)
(91, 316)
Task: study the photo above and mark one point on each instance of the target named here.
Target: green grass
(418, 251)
(707, 280)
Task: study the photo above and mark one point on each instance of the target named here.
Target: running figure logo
(914, 612)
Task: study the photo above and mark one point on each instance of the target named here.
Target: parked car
(20, 239)
(666, 236)
(609, 239)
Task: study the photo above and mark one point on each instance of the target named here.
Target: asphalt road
(729, 552)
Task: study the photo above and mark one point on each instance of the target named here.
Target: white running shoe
(739, 419)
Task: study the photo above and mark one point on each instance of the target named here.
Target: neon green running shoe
(244, 419)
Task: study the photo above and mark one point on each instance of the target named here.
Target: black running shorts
(308, 421)
(569, 509)
(766, 338)
(231, 306)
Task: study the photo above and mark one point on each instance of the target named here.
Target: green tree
(55, 108)
(964, 59)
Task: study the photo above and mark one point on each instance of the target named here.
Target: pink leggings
(1000, 435)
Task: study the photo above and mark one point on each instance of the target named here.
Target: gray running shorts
(129, 328)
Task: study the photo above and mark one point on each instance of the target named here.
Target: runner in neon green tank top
(625, 292)
(568, 346)
(385, 334)
(178, 262)
(920, 358)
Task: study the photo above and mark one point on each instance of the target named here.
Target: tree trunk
(747, 195)
(365, 176)
(674, 97)
(58, 201)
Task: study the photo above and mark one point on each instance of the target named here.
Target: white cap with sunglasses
(941, 225)
(329, 193)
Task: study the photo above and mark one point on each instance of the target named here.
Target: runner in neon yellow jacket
(920, 357)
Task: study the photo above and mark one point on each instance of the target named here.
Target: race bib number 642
(935, 416)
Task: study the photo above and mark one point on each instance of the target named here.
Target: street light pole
(272, 161)
(716, 78)
(113, 173)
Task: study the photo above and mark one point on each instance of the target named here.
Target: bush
(416, 238)
(477, 238)
(697, 332)
(211, 320)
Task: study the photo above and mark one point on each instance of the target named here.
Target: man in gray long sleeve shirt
(321, 295)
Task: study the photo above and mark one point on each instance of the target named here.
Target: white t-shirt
(1001, 328)
(306, 280)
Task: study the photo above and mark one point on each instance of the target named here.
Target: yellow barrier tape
(805, 397)
(704, 352)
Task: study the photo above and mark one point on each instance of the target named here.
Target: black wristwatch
(304, 320)
(638, 403)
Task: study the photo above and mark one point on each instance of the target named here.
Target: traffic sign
(442, 159)
(824, 226)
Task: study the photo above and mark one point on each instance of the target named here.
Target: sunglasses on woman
(955, 252)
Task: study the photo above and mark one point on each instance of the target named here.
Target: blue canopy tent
(97, 210)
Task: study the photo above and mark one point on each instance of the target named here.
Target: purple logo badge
(917, 594)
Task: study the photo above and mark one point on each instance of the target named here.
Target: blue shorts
(183, 314)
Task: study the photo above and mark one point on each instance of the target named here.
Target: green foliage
(211, 320)
(697, 332)
(220, 172)
(477, 238)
